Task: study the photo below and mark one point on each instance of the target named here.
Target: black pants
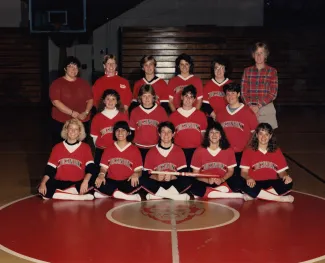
(188, 155)
(182, 184)
(124, 186)
(143, 152)
(53, 184)
(279, 186)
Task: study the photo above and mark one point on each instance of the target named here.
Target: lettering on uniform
(233, 124)
(147, 122)
(179, 88)
(214, 165)
(216, 94)
(121, 161)
(166, 167)
(188, 125)
(106, 130)
(70, 161)
(265, 164)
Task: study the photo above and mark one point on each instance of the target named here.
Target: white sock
(222, 188)
(65, 196)
(153, 197)
(217, 194)
(272, 191)
(265, 195)
(100, 195)
(173, 190)
(120, 195)
(164, 193)
(70, 190)
(247, 197)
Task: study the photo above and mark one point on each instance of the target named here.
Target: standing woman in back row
(111, 80)
(259, 86)
(71, 98)
(184, 66)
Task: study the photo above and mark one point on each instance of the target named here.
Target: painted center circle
(165, 215)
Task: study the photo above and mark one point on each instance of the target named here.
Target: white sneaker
(287, 198)
(247, 197)
(100, 195)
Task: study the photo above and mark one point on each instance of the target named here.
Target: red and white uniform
(73, 94)
(158, 84)
(177, 84)
(102, 127)
(238, 126)
(117, 83)
(213, 162)
(213, 94)
(189, 126)
(171, 160)
(70, 161)
(144, 122)
(121, 163)
(263, 165)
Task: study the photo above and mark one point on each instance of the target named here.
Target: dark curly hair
(71, 60)
(272, 145)
(110, 92)
(221, 60)
(223, 143)
(188, 59)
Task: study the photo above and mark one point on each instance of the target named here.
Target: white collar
(219, 84)
(235, 111)
(122, 149)
(110, 113)
(214, 152)
(148, 111)
(186, 113)
(262, 151)
(188, 77)
(71, 148)
(164, 152)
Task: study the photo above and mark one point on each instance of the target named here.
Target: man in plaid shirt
(259, 86)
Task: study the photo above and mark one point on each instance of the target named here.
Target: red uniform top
(158, 84)
(263, 166)
(144, 122)
(102, 128)
(171, 160)
(188, 130)
(117, 83)
(238, 126)
(73, 94)
(213, 94)
(209, 163)
(121, 163)
(70, 166)
(177, 84)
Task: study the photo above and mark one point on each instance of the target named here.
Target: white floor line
(175, 252)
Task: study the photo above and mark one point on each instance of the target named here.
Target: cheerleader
(264, 168)
(120, 167)
(217, 158)
(110, 112)
(70, 166)
(145, 119)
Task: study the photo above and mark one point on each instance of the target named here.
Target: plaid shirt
(259, 86)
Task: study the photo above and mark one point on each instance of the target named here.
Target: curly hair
(223, 142)
(110, 92)
(71, 60)
(188, 59)
(272, 145)
(64, 132)
(147, 88)
(221, 60)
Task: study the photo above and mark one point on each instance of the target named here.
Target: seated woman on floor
(215, 157)
(70, 166)
(165, 157)
(263, 166)
(120, 167)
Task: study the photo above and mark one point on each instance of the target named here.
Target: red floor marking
(78, 231)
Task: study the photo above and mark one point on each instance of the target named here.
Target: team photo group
(180, 140)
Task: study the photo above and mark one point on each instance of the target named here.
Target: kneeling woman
(120, 167)
(215, 157)
(70, 166)
(163, 158)
(263, 166)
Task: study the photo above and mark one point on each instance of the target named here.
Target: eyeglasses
(219, 67)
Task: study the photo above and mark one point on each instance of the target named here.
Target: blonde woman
(69, 167)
